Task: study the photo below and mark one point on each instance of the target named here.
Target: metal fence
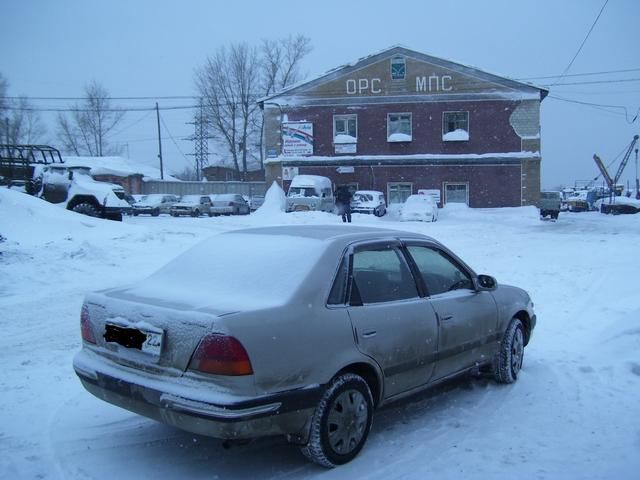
(203, 188)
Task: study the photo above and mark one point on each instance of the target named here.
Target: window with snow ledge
(345, 129)
(399, 127)
(345, 133)
(455, 126)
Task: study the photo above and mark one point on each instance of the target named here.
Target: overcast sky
(151, 48)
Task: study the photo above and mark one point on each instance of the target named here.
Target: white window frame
(445, 184)
(444, 114)
(345, 117)
(410, 115)
(390, 184)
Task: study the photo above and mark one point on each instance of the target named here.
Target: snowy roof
(400, 50)
(119, 166)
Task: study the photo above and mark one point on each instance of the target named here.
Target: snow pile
(457, 135)
(31, 221)
(275, 202)
(399, 137)
(342, 138)
(118, 166)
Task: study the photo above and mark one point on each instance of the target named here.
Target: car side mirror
(486, 282)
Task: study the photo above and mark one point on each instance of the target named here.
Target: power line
(602, 107)
(172, 139)
(583, 42)
(583, 74)
(594, 82)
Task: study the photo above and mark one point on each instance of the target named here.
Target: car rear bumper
(221, 210)
(186, 407)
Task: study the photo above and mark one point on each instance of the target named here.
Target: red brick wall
(489, 128)
(489, 185)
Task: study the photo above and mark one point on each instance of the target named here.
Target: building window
(455, 126)
(399, 127)
(398, 68)
(398, 192)
(345, 133)
(345, 128)
(456, 192)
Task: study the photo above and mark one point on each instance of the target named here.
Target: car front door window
(439, 273)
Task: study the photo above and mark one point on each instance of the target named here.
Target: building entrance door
(457, 193)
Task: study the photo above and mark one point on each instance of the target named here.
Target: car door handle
(369, 334)
(446, 317)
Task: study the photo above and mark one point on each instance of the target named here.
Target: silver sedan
(301, 331)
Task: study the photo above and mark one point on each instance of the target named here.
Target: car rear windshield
(235, 271)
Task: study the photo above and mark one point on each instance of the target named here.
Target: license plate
(134, 338)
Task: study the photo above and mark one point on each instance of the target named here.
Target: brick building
(399, 121)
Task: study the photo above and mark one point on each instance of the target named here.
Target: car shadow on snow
(143, 447)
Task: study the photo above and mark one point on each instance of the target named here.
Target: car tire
(341, 422)
(195, 213)
(135, 214)
(155, 212)
(86, 209)
(509, 358)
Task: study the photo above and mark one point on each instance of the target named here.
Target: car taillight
(85, 325)
(221, 355)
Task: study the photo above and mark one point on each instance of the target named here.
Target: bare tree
(4, 88)
(20, 122)
(4, 103)
(187, 174)
(87, 130)
(281, 62)
(229, 86)
(25, 124)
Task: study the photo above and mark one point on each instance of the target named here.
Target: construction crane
(612, 182)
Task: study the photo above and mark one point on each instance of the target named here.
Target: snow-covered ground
(573, 414)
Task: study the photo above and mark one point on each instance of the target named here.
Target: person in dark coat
(343, 203)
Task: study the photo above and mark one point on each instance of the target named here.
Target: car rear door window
(381, 275)
(439, 273)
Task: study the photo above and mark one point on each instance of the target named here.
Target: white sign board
(297, 138)
(289, 172)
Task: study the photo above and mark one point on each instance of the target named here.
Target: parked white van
(310, 192)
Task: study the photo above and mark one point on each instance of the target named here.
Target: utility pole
(159, 142)
(637, 181)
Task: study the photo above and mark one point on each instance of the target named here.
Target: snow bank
(32, 221)
(457, 135)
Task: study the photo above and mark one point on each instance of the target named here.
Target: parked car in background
(419, 208)
(155, 204)
(207, 345)
(255, 202)
(370, 202)
(193, 205)
(229, 204)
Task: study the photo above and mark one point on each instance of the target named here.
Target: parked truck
(42, 172)
(310, 192)
(549, 204)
